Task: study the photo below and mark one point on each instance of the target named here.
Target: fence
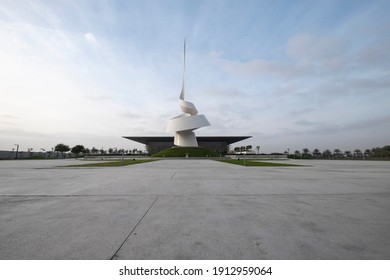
(26, 155)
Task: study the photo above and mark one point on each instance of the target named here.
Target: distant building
(156, 144)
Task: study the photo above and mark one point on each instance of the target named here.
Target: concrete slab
(63, 227)
(258, 227)
(195, 209)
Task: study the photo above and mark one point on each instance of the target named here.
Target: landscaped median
(251, 162)
(115, 163)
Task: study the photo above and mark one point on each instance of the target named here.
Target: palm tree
(357, 153)
(316, 153)
(306, 153)
(376, 152)
(337, 152)
(327, 154)
(29, 150)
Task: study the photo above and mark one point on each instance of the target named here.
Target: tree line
(380, 152)
(377, 152)
(80, 149)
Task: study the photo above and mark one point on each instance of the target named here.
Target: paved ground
(195, 209)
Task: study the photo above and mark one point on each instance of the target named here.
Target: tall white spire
(184, 124)
(182, 94)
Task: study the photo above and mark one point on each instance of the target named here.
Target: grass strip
(183, 151)
(111, 163)
(256, 163)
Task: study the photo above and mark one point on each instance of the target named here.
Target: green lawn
(182, 151)
(111, 163)
(249, 162)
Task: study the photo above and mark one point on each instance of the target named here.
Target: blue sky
(292, 74)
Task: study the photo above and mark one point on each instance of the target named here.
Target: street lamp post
(43, 150)
(17, 150)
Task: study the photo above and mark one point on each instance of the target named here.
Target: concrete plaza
(195, 209)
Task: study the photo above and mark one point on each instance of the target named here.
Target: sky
(291, 74)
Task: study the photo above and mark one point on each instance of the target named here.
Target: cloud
(364, 124)
(330, 128)
(221, 93)
(98, 98)
(319, 58)
(314, 48)
(302, 111)
(305, 56)
(5, 116)
(92, 70)
(305, 123)
(90, 38)
(377, 54)
(130, 115)
(8, 119)
(259, 68)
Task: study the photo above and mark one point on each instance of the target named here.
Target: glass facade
(155, 144)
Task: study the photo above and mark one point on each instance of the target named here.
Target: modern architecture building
(184, 124)
(156, 144)
(183, 127)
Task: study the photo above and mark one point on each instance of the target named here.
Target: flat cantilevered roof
(147, 139)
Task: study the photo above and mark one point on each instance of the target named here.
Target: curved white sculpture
(184, 124)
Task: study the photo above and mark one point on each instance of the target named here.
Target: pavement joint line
(201, 195)
(150, 207)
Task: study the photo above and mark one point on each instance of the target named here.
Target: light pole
(43, 150)
(17, 150)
